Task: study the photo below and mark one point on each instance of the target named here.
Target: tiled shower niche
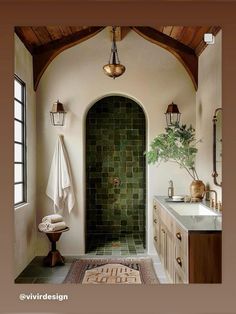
(115, 172)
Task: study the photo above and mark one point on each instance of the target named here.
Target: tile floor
(35, 272)
(115, 245)
(109, 246)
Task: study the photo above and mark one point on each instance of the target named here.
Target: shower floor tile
(103, 244)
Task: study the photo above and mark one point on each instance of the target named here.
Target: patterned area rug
(112, 271)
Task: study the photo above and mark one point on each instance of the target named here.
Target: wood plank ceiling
(46, 42)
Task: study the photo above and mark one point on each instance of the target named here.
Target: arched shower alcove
(115, 177)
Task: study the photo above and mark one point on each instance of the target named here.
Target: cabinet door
(166, 251)
(169, 256)
(162, 252)
(156, 232)
(181, 252)
(178, 277)
(156, 226)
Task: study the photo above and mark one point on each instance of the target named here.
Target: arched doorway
(115, 177)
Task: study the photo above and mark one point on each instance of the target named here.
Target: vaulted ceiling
(46, 42)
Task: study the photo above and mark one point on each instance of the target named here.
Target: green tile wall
(115, 145)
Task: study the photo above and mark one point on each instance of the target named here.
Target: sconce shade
(114, 68)
(57, 114)
(172, 114)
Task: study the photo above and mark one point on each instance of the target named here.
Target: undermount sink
(192, 209)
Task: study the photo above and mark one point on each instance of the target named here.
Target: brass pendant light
(114, 68)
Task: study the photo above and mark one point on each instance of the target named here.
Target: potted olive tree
(178, 144)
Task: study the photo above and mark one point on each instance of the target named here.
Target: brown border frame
(189, 299)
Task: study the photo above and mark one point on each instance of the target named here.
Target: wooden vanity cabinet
(187, 256)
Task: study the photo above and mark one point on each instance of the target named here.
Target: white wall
(25, 226)
(209, 97)
(154, 78)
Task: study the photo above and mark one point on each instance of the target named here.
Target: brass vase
(197, 190)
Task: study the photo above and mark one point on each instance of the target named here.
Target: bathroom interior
(123, 206)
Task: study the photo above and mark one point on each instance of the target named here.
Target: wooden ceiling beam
(43, 55)
(184, 54)
(24, 32)
(120, 32)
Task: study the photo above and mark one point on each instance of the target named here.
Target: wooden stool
(54, 257)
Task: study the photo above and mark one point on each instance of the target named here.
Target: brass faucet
(214, 203)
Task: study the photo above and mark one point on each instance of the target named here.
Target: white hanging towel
(60, 186)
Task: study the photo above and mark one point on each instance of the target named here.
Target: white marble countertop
(192, 223)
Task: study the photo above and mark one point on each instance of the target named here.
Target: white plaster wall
(25, 222)
(209, 97)
(154, 78)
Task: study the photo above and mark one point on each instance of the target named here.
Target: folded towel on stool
(50, 227)
(52, 218)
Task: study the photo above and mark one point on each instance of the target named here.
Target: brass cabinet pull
(155, 206)
(163, 230)
(178, 236)
(155, 221)
(179, 261)
(155, 238)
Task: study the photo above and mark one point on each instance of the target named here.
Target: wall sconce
(172, 114)
(57, 114)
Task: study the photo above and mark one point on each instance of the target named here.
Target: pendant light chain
(114, 68)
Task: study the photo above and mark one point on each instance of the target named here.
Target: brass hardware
(163, 230)
(155, 221)
(217, 146)
(155, 206)
(213, 202)
(179, 261)
(116, 182)
(155, 238)
(178, 236)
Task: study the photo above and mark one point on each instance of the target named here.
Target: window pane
(19, 147)
(18, 90)
(18, 193)
(18, 174)
(18, 112)
(18, 132)
(18, 153)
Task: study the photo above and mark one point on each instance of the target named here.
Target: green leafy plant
(177, 145)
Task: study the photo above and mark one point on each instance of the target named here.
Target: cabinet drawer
(156, 209)
(181, 249)
(179, 277)
(181, 238)
(181, 260)
(166, 219)
(156, 241)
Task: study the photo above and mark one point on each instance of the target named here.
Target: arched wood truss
(182, 52)
(45, 43)
(44, 56)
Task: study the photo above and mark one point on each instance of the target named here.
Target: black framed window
(19, 142)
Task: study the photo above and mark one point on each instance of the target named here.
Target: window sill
(16, 207)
